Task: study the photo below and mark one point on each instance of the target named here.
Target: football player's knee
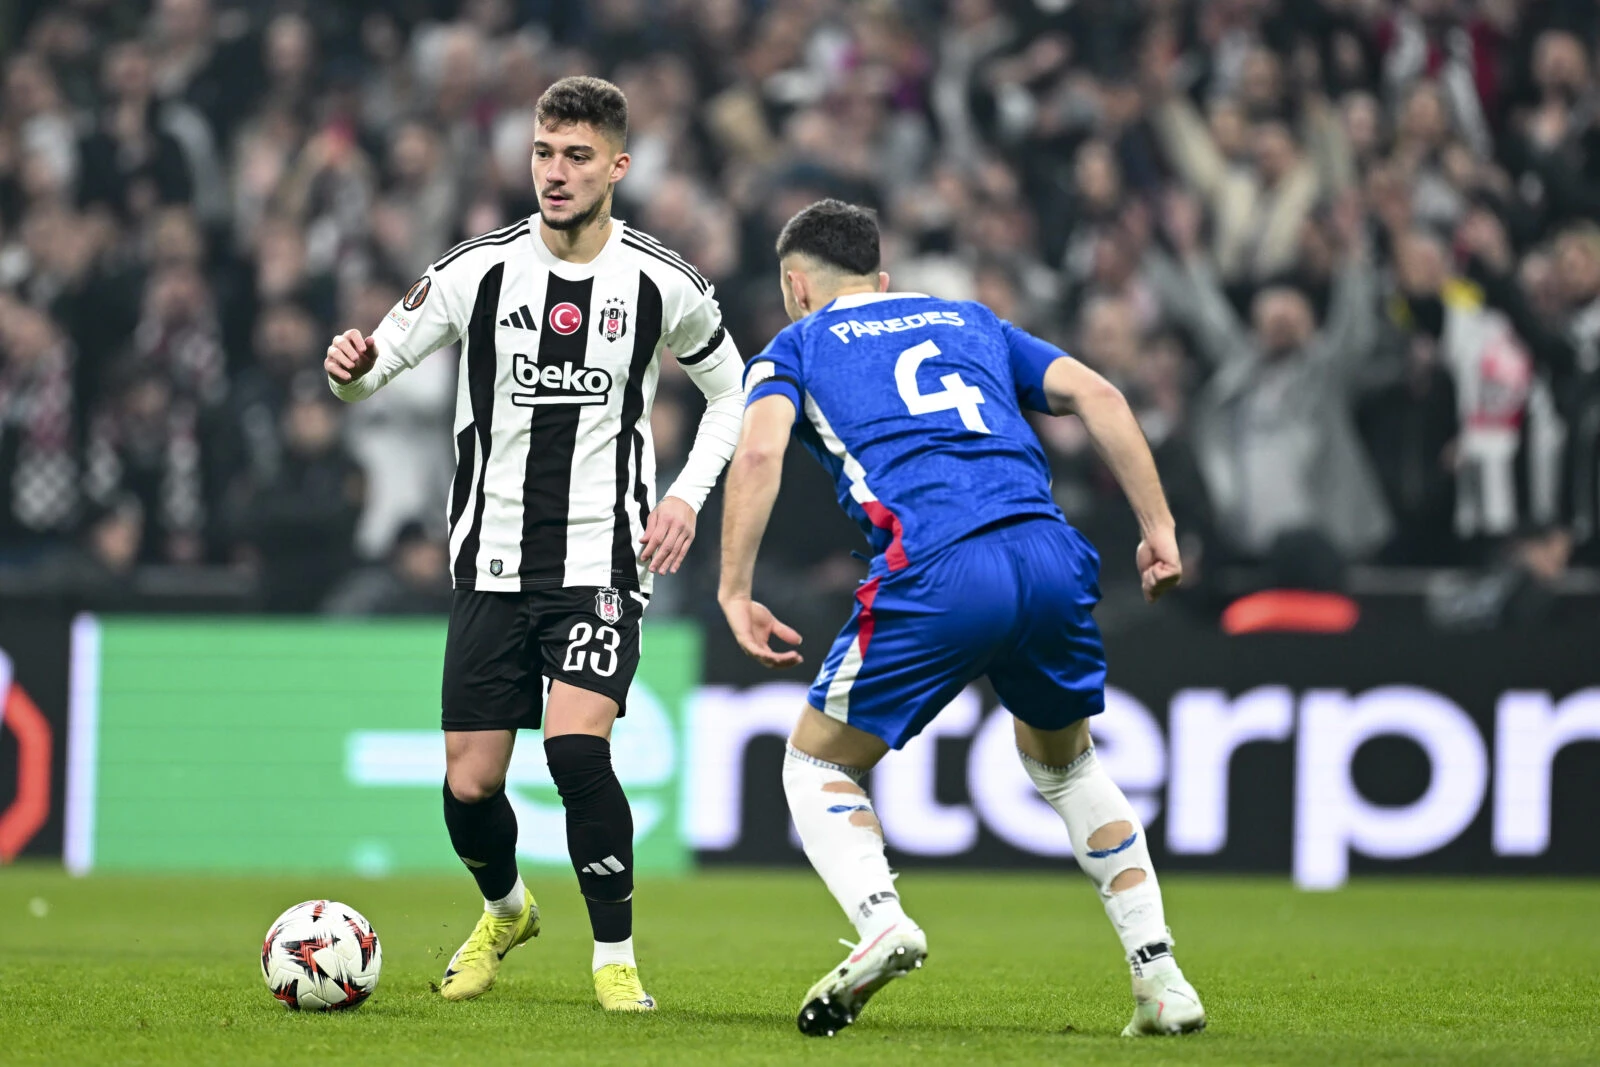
(470, 789)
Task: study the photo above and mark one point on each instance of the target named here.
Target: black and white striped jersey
(555, 466)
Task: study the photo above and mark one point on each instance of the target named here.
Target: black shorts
(501, 647)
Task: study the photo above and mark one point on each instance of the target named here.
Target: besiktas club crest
(608, 605)
(614, 320)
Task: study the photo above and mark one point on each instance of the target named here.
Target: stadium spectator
(145, 445)
(1564, 337)
(1273, 426)
(414, 580)
(284, 346)
(100, 568)
(129, 163)
(1504, 467)
(70, 268)
(38, 459)
(179, 336)
(1257, 185)
(1409, 422)
(41, 127)
(1516, 593)
(300, 526)
(1089, 211)
(274, 269)
(418, 208)
(113, 545)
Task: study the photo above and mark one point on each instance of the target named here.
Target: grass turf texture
(1023, 968)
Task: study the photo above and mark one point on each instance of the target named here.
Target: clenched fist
(1160, 568)
(350, 356)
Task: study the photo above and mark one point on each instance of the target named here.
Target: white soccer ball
(321, 956)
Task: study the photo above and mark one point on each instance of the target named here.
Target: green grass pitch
(1022, 968)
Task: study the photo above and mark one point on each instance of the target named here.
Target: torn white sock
(842, 840)
(1086, 798)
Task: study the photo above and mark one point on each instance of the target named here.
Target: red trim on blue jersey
(884, 519)
(865, 621)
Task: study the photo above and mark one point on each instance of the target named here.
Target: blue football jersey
(914, 405)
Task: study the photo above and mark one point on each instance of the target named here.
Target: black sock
(599, 830)
(611, 921)
(484, 835)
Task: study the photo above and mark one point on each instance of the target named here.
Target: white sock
(609, 952)
(849, 857)
(1086, 798)
(508, 906)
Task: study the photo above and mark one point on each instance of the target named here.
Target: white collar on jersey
(855, 300)
(564, 268)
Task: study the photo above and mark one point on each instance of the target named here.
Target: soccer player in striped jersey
(555, 534)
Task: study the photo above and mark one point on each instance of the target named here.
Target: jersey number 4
(957, 395)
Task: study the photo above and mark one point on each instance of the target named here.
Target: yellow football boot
(475, 965)
(617, 987)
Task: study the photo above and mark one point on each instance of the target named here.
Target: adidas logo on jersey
(558, 383)
(520, 319)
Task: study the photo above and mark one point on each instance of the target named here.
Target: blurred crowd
(1343, 256)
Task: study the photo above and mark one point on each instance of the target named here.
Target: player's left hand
(754, 627)
(1160, 568)
(667, 535)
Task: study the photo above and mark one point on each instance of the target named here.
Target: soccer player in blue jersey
(914, 404)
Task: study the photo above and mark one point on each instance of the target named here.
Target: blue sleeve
(776, 371)
(1030, 358)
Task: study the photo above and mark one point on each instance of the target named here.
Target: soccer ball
(321, 956)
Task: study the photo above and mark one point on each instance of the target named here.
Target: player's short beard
(581, 219)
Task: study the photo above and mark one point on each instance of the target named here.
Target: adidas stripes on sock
(599, 831)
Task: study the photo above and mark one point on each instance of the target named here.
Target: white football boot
(1164, 1002)
(835, 1001)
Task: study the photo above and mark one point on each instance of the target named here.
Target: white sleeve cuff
(359, 389)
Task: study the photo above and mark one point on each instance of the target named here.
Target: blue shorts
(1014, 603)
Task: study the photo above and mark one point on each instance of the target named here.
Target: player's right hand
(754, 627)
(350, 355)
(1160, 568)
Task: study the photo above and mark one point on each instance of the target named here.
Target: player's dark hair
(836, 233)
(582, 99)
